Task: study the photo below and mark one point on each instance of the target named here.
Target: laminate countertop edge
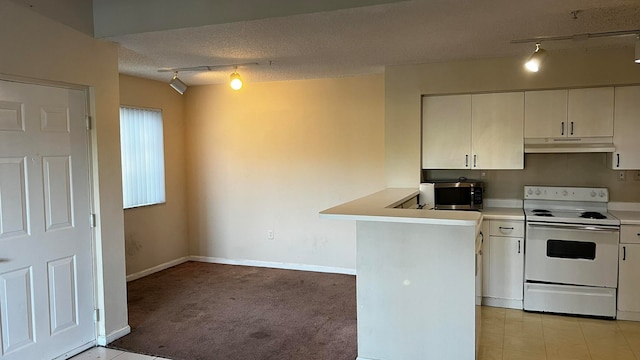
(380, 206)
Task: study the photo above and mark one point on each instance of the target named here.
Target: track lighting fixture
(177, 84)
(533, 64)
(536, 59)
(236, 81)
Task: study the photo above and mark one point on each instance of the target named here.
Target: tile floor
(514, 335)
(110, 354)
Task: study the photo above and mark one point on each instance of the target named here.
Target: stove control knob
(601, 193)
(593, 193)
(565, 193)
(529, 192)
(538, 192)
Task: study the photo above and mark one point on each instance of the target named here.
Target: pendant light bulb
(536, 59)
(236, 81)
(637, 59)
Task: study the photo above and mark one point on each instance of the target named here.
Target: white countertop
(502, 213)
(627, 217)
(380, 207)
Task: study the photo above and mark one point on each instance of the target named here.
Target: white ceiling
(363, 40)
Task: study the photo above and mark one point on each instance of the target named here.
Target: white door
(497, 123)
(628, 288)
(506, 268)
(626, 128)
(446, 132)
(545, 114)
(46, 281)
(590, 112)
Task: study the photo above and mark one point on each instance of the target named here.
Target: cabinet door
(446, 132)
(506, 270)
(628, 285)
(545, 114)
(590, 112)
(486, 257)
(626, 128)
(497, 122)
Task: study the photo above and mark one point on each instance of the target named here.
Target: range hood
(569, 145)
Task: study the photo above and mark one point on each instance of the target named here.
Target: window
(142, 151)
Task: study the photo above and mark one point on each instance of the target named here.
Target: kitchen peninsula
(416, 278)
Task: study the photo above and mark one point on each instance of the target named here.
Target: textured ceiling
(364, 40)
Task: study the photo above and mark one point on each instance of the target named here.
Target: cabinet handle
(518, 246)
(508, 228)
(572, 128)
(562, 128)
(475, 160)
(624, 253)
(466, 161)
(618, 161)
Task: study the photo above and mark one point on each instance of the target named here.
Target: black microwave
(458, 194)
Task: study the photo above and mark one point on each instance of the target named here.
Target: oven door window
(565, 249)
(453, 196)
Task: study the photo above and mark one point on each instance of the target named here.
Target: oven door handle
(574, 227)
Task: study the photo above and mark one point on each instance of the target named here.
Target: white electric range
(571, 251)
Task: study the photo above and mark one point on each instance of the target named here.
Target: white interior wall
(271, 156)
(39, 48)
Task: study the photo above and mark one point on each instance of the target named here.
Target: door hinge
(89, 125)
(96, 315)
(93, 220)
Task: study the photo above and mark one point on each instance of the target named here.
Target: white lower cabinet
(629, 268)
(503, 263)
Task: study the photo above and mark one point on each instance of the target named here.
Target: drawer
(506, 228)
(630, 234)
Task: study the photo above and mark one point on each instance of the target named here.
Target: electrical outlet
(270, 234)
(636, 175)
(622, 176)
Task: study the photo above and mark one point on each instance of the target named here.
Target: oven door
(572, 254)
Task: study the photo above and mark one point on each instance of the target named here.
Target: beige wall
(39, 48)
(404, 86)
(273, 155)
(157, 234)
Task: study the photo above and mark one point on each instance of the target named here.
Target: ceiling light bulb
(236, 81)
(637, 60)
(177, 84)
(536, 59)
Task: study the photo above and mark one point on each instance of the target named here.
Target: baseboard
(275, 265)
(113, 336)
(628, 315)
(503, 303)
(157, 268)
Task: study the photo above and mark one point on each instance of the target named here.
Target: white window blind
(142, 149)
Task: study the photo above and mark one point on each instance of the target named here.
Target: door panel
(446, 132)
(13, 198)
(46, 269)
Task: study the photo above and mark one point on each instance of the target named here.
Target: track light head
(637, 58)
(536, 59)
(177, 84)
(236, 81)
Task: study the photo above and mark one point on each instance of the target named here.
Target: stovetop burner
(539, 211)
(544, 214)
(592, 215)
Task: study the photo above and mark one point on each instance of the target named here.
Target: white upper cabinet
(577, 113)
(497, 122)
(590, 112)
(483, 131)
(627, 128)
(545, 113)
(446, 132)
